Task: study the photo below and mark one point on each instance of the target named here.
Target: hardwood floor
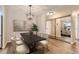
(54, 47)
(58, 46)
(9, 49)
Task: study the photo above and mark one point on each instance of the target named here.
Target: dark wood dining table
(31, 40)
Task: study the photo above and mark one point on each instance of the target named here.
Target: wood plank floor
(9, 49)
(54, 47)
(58, 46)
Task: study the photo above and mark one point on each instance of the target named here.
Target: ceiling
(43, 9)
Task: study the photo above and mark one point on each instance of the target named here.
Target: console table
(31, 40)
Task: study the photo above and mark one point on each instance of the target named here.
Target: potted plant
(34, 29)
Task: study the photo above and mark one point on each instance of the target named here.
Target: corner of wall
(4, 44)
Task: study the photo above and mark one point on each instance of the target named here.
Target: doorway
(66, 29)
(59, 28)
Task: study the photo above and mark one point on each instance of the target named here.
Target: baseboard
(58, 38)
(0, 48)
(65, 35)
(77, 39)
(4, 46)
(53, 37)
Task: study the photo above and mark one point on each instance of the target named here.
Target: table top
(29, 39)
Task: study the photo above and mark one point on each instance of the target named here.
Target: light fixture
(29, 15)
(50, 13)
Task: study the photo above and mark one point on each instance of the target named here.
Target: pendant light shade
(29, 15)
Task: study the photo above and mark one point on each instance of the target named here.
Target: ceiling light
(50, 13)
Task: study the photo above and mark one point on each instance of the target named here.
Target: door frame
(1, 32)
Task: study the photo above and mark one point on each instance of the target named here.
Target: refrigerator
(1, 30)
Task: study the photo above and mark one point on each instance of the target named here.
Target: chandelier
(29, 15)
